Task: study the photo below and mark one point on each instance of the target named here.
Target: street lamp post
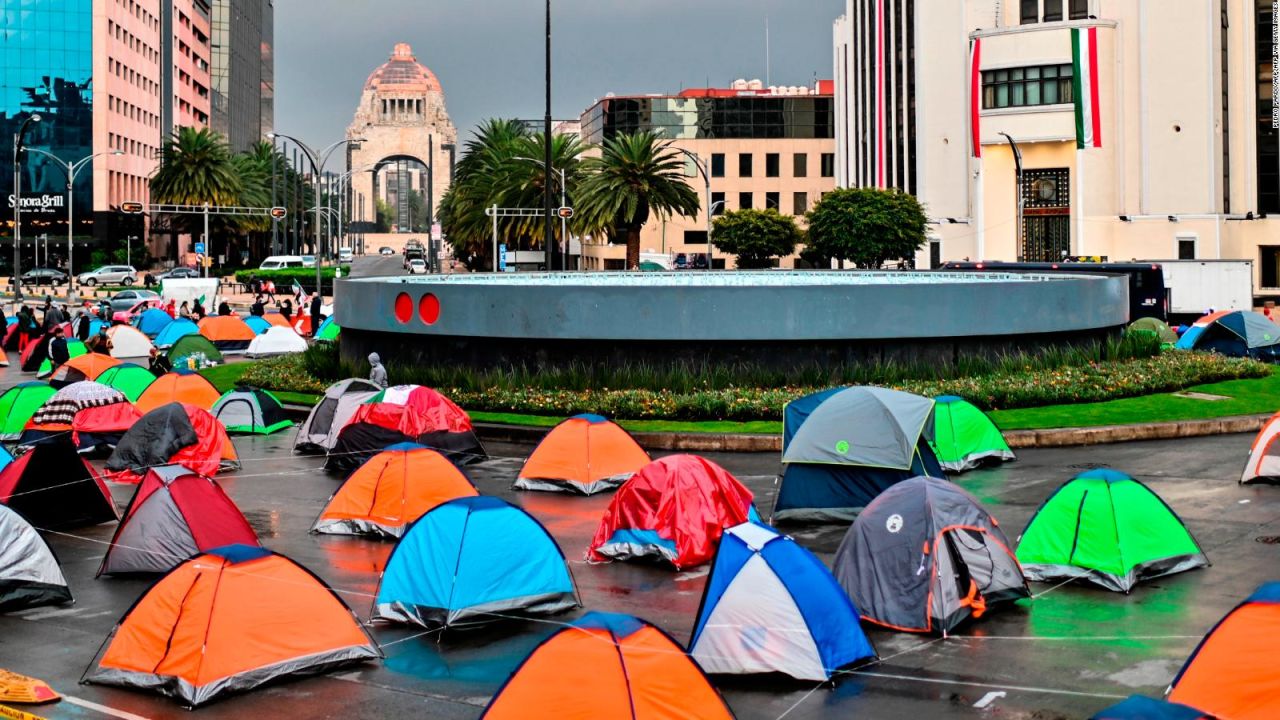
(564, 227)
(317, 162)
(17, 203)
(706, 176)
(1017, 187)
(546, 190)
(72, 168)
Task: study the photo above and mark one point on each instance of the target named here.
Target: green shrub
(284, 279)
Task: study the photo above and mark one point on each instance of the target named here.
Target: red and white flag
(975, 95)
(1084, 86)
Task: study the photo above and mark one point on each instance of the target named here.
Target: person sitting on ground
(159, 364)
(101, 343)
(172, 309)
(197, 310)
(184, 311)
(377, 373)
(258, 308)
(224, 309)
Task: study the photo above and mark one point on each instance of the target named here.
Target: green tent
(1155, 327)
(329, 330)
(75, 348)
(129, 379)
(250, 410)
(650, 266)
(18, 404)
(188, 345)
(1106, 527)
(964, 437)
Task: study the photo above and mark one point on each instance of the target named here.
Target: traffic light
(565, 212)
(131, 207)
(278, 213)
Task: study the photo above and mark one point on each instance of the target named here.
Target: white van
(280, 262)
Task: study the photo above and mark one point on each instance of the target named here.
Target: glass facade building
(46, 68)
(242, 74)
(743, 117)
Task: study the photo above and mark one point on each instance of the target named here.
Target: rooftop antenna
(768, 78)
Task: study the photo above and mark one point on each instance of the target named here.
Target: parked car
(309, 261)
(109, 275)
(345, 255)
(125, 317)
(129, 299)
(179, 273)
(280, 262)
(417, 266)
(682, 261)
(44, 276)
(384, 250)
(699, 261)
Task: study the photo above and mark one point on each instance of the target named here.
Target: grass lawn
(1246, 397)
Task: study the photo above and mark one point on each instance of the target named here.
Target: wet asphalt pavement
(1066, 654)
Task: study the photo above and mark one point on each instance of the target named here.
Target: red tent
(53, 487)
(174, 433)
(406, 413)
(675, 508)
(173, 515)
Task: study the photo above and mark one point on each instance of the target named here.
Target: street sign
(278, 213)
(502, 257)
(131, 207)
(199, 248)
(565, 212)
(436, 232)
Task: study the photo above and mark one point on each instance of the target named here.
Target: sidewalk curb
(1017, 439)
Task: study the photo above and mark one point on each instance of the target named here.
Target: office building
(242, 72)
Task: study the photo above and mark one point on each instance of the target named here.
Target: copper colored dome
(403, 74)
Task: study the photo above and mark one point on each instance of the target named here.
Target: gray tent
(319, 432)
(29, 573)
(924, 556)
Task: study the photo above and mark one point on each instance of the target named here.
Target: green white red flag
(1084, 61)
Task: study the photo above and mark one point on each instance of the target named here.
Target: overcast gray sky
(488, 54)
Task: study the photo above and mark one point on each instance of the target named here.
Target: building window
(828, 165)
(1030, 11)
(1079, 9)
(773, 200)
(744, 165)
(717, 203)
(1034, 11)
(772, 165)
(744, 201)
(935, 253)
(695, 237)
(800, 165)
(717, 164)
(1029, 86)
(799, 203)
(1270, 269)
(1186, 247)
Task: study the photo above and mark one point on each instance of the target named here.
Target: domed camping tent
(584, 454)
(175, 433)
(319, 432)
(174, 331)
(843, 447)
(190, 350)
(261, 617)
(406, 413)
(18, 404)
(1234, 333)
(276, 341)
(770, 605)
(251, 411)
(29, 573)
(130, 379)
(1264, 455)
(1109, 529)
(179, 386)
(95, 415)
(925, 556)
(54, 488)
(129, 342)
(228, 333)
(964, 437)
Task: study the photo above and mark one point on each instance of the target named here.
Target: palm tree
(196, 168)
(635, 175)
(484, 160)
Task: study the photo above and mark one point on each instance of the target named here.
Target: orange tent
(278, 320)
(393, 489)
(637, 671)
(228, 333)
(585, 454)
(182, 387)
(83, 367)
(1233, 673)
(227, 621)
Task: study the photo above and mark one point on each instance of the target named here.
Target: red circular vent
(429, 309)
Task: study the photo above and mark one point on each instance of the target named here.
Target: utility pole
(548, 232)
(17, 203)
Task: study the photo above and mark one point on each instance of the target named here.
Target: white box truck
(1195, 286)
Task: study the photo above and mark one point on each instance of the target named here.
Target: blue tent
(152, 321)
(1234, 333)
(772, 606)
(842, 447)
(1137, 707)
(257, 324)
(472, 557)
(175, 331)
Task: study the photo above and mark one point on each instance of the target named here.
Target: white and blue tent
(471, 560)
(772, 606)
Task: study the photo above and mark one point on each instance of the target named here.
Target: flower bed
(1028, 387)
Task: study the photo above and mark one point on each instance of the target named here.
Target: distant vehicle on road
(309, 261)
(280, 262)
(109, 275)
(1147, 296)
(44, 276)
(413, 250)
(345, 255)
(417, 266)
(130, 300)
(179, 273)
(384, 250)
(682, 261)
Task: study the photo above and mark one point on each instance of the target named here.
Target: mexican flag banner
(1084, 61)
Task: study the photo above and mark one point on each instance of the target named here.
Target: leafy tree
(866, 226)
(386, 216)
(196, 168)
(756, 236)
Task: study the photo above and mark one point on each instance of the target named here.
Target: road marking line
(60, 612)
(103, 709)
(990, 698)
(940, 681)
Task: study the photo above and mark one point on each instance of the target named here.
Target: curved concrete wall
(733, 307)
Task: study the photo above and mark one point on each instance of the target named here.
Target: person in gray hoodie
(377, 373)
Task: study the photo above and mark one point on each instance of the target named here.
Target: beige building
(1188, 164)
(762, 147)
